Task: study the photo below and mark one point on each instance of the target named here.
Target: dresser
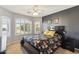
(68, 43)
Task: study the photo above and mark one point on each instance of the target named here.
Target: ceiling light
(35, 13)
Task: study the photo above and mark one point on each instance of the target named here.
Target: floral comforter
(44, 44)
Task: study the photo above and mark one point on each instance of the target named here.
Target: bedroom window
(23, 26)
(37, 27)
(28, 27)
(22, 23)
(18, 26)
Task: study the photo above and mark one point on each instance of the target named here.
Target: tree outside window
(23, 26)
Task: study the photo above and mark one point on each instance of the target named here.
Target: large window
(28, 27)
(23, 26)
(18, 28)
(37, 27)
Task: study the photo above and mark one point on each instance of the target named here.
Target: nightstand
(68, 43)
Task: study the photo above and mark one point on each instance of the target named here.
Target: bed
(43, 44)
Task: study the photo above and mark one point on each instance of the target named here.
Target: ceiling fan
(35, 10)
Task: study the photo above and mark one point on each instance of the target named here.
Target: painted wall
(69, 18)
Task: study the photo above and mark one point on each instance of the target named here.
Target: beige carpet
(15, 48)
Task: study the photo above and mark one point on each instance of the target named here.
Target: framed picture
(49, 21)
(56, 21)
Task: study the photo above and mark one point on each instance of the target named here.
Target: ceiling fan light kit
(35, 14)
(35, 10)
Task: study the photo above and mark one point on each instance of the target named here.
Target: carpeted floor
(17, 49)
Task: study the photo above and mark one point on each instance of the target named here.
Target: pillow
(49, 33)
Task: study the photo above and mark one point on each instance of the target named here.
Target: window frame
(24, 19)
(37, 32)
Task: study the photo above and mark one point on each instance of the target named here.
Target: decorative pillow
(49, 33)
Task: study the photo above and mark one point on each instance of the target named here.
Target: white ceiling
(43, 9)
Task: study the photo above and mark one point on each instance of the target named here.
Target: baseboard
(3, 52)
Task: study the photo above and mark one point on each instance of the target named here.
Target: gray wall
(69, 18)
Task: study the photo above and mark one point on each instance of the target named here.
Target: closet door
(5, 31)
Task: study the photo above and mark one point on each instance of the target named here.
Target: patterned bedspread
(44, 44)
